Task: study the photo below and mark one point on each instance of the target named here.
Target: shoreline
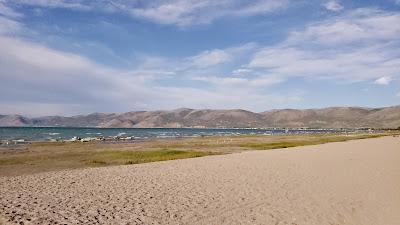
(63, 134)
(131, 139)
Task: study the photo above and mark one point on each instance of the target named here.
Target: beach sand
(354, 182)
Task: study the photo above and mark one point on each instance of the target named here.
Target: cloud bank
(355, 46)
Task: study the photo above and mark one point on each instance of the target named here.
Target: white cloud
(8, 26)
(260, 7)
(226, 98)
(358, 46)
(172, 12)
(35, 65)
(216, 57)
(241, 71)
(44, 109)
(398, 94)
(361, 45)
(334, 6)
(188, 12)
(383, 80)
(211, 58)
(249, 83)
(33, 75)
(69, 4)
(223, 81)
(361, 25)
(7, 11)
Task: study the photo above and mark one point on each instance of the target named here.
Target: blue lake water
(64, 133)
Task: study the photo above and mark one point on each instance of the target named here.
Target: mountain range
(332, 117)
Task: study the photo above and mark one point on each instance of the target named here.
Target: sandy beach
(353, 182)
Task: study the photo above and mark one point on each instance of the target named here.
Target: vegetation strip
(42, 157)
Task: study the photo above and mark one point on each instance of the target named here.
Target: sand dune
(355, 182)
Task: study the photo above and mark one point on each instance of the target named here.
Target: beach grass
(113, 157)
(87, 156)
(312, 140)
(51, 156)
(136, 157)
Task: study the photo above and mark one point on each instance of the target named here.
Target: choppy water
(63, 133)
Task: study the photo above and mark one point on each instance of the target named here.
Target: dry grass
(47, 156)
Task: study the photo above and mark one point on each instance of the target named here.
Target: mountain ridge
(330, 117)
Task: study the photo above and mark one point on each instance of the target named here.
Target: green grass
(136, 157)
(316, 140)
(109, 157)
(274, 145)
(5, 162)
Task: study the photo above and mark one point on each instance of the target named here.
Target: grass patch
(136, 157)
(274, 145)
(311, 140)
(97, 162)
(6, 162)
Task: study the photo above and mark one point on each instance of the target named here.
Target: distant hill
(14, 120)
(333, 117)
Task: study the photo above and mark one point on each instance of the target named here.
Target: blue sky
(70, 57)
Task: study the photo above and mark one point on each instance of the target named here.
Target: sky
(69, 57)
